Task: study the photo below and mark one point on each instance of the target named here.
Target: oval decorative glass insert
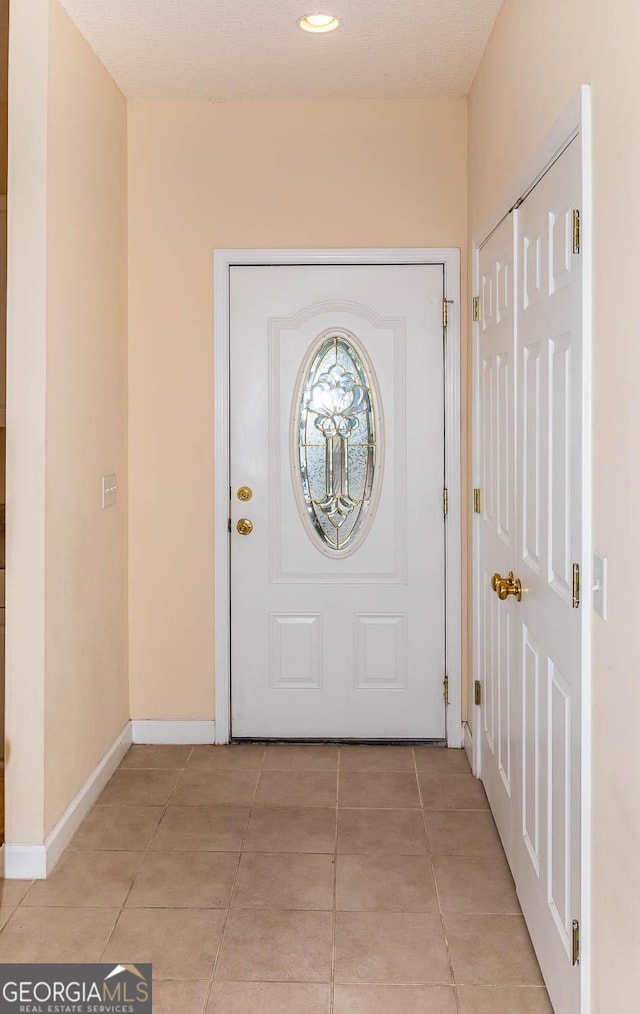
(337, 447)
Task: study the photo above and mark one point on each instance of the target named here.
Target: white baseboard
(167, 733)
(468, 745)
(24, 862)
(34, 862)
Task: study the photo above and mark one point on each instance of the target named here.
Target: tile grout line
(241, 852)
(146, 851)
(435, 887)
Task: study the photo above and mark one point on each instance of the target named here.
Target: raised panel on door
(548, 525)
(333, 638)
(528, 743)
(532, 408)
(496, 554)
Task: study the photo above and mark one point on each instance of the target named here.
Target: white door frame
(223, 261)
(574, 123)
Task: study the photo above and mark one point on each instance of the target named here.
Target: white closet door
(549, 541)
(529, 382)
(498, 634)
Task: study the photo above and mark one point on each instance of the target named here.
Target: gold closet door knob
(244, 493)
(495, 580)
(509, 586)
(244, 526)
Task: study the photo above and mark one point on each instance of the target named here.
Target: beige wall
(205, 176)
(67, 373)
(26, 358)
(87, 700)
(539, 54)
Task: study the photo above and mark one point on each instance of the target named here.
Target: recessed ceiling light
(318, 23)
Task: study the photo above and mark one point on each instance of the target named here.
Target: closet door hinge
(575, 942)
(576, 231)
(477, 692)
(445, 501)
(575, 601)
(445, 689)
(475, 305)
(477, 501)
(445, 311)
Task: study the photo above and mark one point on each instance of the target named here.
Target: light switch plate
(109, 490)
(600, 585)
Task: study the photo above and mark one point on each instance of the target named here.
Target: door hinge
(477, 692)
(445, 501)
(576, 232)
(446, 690)
(445, 311)
(477, 501)
(476, 308)
(576, 586)
(575, 942)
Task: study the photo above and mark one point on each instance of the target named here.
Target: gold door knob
(509, 586)
(244, 493)
(494, 581)
(244, 526)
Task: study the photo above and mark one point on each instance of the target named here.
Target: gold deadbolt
(506, 586)
(244, 526)
(244, 493)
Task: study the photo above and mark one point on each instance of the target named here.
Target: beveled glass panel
(336, 436)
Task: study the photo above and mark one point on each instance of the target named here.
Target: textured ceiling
(224, 50)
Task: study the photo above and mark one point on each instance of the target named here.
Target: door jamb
(575, 122)
(223, 261)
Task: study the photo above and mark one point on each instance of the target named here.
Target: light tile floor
(289, 879)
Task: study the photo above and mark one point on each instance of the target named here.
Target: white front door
(337, 430)
(530, 380)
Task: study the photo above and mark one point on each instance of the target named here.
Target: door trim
(574, 123)
(223, 261)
